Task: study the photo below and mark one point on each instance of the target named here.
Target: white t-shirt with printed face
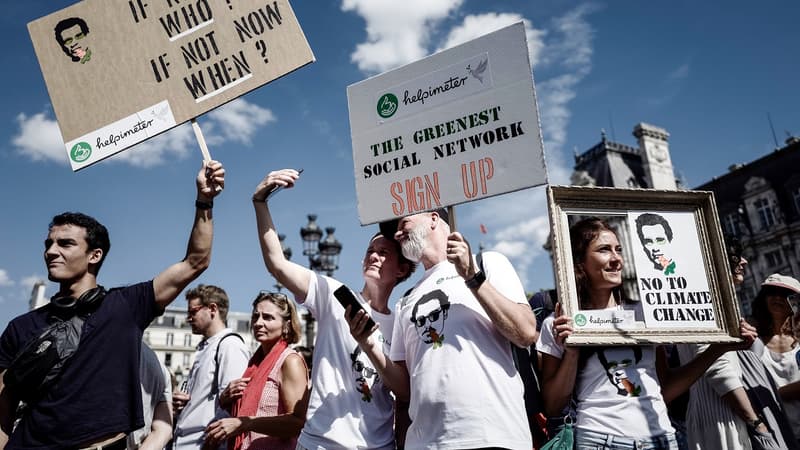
(350, 407)
(617, 388)
(465, 390)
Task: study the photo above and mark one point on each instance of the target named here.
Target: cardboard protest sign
(457, 126)
(122, 71)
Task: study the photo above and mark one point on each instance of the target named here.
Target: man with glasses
(342, 414)
(221, 357)
(465, 392)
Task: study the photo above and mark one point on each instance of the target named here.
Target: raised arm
(293, 276)
(515, 321)
(169, 283)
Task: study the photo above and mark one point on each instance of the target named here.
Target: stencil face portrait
(363, 373)
(429, 316)
(655, 234)
(72, 35)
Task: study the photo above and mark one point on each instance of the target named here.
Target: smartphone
(278, 188)
(347, 298)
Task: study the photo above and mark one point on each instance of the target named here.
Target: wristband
(476, 281)
(199, 204)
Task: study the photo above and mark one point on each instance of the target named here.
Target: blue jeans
(591, 440)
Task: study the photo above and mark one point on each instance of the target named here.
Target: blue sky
(708, 72)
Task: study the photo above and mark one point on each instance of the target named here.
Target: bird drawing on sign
(161, 114)
(477, 73)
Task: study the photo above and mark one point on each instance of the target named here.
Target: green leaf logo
(580, 320)
(80, 152)
(387, 105)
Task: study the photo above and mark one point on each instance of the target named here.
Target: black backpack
(37, 366)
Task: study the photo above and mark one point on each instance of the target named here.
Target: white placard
(454, 127)
(673, 287)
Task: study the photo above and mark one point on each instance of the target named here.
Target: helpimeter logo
(387, 105)
(80, 152)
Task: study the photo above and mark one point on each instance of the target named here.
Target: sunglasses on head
(275, 295)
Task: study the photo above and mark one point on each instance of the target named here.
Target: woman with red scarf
(268, 404)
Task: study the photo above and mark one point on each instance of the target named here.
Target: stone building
(759, 202)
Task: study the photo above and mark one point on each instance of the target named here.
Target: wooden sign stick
(198, 133)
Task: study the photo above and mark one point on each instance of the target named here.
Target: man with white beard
(453, 332)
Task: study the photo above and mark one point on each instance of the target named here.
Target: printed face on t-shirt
(429, 316)
(363, 373)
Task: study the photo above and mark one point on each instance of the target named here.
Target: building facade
(759, 203)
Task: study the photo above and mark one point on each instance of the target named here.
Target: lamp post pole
(287, 253)
(323, 257)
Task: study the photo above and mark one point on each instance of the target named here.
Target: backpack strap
(215, 386)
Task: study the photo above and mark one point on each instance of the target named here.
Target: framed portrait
(661, 273)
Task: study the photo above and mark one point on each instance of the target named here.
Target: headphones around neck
(88, 298)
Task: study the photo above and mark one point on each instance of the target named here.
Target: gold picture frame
(681, 290)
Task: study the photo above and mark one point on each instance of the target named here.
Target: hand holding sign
(210, 180)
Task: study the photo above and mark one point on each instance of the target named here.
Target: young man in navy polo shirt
(97, 399)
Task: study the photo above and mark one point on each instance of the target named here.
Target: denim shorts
(591, 440)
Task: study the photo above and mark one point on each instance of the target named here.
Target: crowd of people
(440, 371)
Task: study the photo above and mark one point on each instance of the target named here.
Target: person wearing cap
(452, 332)
(349, 406)
(774, 311)
(720, 414)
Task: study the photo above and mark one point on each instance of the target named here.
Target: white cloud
(239, 120)
(398, 32)
(571, 46)
(477, 25)
(39, 137)
(5, 280)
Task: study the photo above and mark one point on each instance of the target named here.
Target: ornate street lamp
(329, 250)
(323, 257)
